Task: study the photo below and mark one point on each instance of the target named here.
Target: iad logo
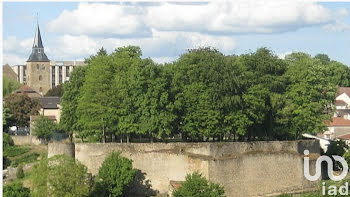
(329, 167)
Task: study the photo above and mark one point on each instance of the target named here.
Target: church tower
(38, 66)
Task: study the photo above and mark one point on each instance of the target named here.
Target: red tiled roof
(339, 102)
(338, 121)
(345, 137)
(25, 88)
(342, 90)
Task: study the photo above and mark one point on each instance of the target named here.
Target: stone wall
(21, 139)
(60, 149)
(243, 168)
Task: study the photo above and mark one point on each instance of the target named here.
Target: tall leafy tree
(72, 91)
(156, 108)
(94, 104)
(21, 107)
(308, 96)
(127, 90)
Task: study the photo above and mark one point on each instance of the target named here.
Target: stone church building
(40, 73)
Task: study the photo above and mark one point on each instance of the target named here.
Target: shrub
(20, 172)
(196, 185)
(44, 127)
(339, 148)
(114, 176)
(7, 140)
(16, 190)
(65, 175)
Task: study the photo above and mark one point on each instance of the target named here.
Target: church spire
(38, 54)
(37, 39)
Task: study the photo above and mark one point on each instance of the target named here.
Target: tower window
(40, 78)
(42, 67)
(37, 67)
(40, 89)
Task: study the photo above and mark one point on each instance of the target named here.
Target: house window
(42, 67)
(40, 78)
(40, 89)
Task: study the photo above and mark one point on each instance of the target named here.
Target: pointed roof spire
(38, 54)
(37, 39)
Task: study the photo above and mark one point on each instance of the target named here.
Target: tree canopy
(55, 91)
(204, 95)
(21, 107)
(44, 128)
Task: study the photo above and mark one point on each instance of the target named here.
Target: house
(339, 126)
(50, 107)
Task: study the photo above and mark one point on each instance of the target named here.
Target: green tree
(156, 107)
(55, 91)
(94, 105)
(323, 58)
(21, 107)
(64, 175)
(16, 190)
(196, 185)
(44, 128)
(198, 76)
(72, 89)
(114, 176)
(9, 85)
(308, 96)
(127, 90)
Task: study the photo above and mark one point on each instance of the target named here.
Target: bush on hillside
(16, 190)
(114, 176)
(196, 185)
(65, 175)
(20, 172)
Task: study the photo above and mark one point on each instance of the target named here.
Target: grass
(18, 155)
(29, 158)
(13, 151)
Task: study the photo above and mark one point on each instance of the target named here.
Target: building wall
(51, 112)
(244, 169)
(66, 67)
(38, 76)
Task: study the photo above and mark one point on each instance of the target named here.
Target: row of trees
(204, 95)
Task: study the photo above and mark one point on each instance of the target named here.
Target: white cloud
(13, 44)
(161, 45)
(101, 19)
(216, 17)
(13, 59)
(339, 25)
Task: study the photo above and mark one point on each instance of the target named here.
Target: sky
(165, 30)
